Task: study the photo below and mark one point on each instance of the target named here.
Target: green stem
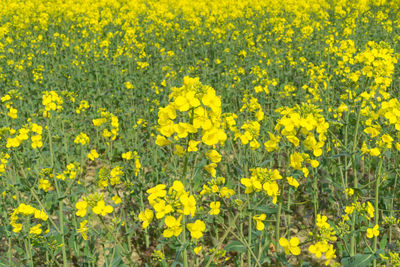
(185, 253)
(391, 207)
(315, 195)
(9, 251)
(231, 225)
(244, 242)
(289, 217)
(60, 202)
(353, 160)
(29, 251)
(378, 181)
(249, 250)
(278, 219)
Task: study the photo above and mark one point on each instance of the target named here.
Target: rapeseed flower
(290, 246)
(196, 229)
(174, 227)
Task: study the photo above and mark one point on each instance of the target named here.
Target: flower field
(199, 133)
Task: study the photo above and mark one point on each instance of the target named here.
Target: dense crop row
(207, 133)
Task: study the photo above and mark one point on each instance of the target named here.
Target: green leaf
(383, 242)
(267, 210)
(236, 246)
(359, 260)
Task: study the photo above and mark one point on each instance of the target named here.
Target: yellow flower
(319, 248)
(349, 209)
(371, 232)
(273, 142)
(83, 229)
(116, 199)
(290, 246)
(162, 141)
(214, 156)
(349, 191)
(180, 151)
(178, 187)
(82, 208)
(129, 86)
(213, 136)
(41, 214)
(293, 139)
(193, 145)
(196, 229)
(93, 154)
(36, 229)
(162, 209)
(272, 190)
(374, 152)
(370, 210)
(13, 142)
(210, 168)
(12, 113)
(197, 250)
(252, 184)
(36, 141)
(259, 221)
(174, 227)
(189, 204)
(215, 208)
(146, 217)
(17, 227)
(26, 209)
(292, 181)
(295, 160)
(44, 184)
(82, 139)
(155, 192)
(128, 155)
(102, 209)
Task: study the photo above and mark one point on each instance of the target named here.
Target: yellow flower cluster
(304, 127)
(7, 99)
(386, 113)
(133, 155)
(112, 176)
(51, 101)
(250, 130)
(166, 203)
(263, 179)
(82, 139)
(73, 169)
(111, 132)
(27, 210)
(83, 106)
(17, 140)
(46, 175)
(202, 109)
(366, 210)
(97, 204)
(37, 138)
(215, 187)
(4, 157)
(379, 61)
(290, 246)
(325, 236)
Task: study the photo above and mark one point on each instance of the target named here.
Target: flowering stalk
(278, 219)
(353, 160)
(391, 208)
(60, 202)
(185, 254)
(378, 181)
